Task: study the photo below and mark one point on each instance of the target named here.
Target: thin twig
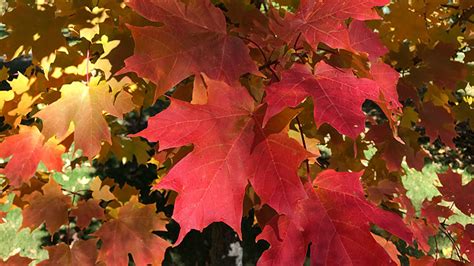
(73, 192)
(453, 241)
(257, 45)
(264, 3)
(450, 6)
(268, 64)
(274, 73)
(296, 41)
(300, 127)
(264, 57)
(450, 207)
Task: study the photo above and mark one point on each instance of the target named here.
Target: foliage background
(410, 30)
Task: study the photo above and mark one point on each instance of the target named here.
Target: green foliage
(15, 240)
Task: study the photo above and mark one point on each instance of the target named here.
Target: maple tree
(132, 131)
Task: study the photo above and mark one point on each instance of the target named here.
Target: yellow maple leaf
(83, 106)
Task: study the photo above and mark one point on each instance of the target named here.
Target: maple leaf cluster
(302, 116)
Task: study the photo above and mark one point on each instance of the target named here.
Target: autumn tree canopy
(284, 132)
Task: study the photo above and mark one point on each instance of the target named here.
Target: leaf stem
(87, 67)
(68, 228)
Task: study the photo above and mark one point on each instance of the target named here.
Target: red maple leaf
(28, 149)
(337, 94)
(465, 238)
(336, 220)
(453, 190)
(387, 79)
(365, 40)
(421, 230)
(274, 177)
(393, 151)
(430, 261)
(432, 211)
(211, 180)
(438, 122)
(193, 40)
(323, 21)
